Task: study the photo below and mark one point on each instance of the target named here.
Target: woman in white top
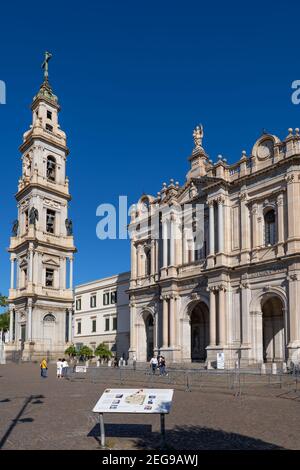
(59, 366)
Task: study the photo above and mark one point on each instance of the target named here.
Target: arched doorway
(149, 324)
(199, 332)
(273, 330)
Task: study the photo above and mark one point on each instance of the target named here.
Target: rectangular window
(49, 277)
(50, 221)
(49, 128)
(78, 304)
(115, 323)
(106, 298)
(94, 325)
(93, 302)
(106, 324)
(49, 115)
(113, 297)
(79, 327)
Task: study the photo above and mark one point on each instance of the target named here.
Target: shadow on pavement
(202, 438)
(32, 399)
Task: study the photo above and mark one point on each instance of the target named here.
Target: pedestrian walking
(44, 368)
(162, 366)
(65, 366)
(153, 364)
(59, 365)
(134, 362)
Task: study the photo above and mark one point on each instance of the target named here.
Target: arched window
(49, 317)
(51, 168)
(270, 228)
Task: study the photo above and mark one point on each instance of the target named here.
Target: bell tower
(42, 245)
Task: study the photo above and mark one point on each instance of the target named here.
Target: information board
(81, 369)
(128, 400)
(220, 360)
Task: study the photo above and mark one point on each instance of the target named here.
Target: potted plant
(103, 352)
(86, 353)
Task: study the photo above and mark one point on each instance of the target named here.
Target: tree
(103, 352)
(85, 352)
(4, 317)
(71, 351)
(4, 321)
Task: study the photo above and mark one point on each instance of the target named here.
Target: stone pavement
(38, 413)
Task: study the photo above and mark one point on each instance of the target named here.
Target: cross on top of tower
(45, 66)
(45, 90)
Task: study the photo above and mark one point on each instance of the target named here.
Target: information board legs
(102, 431)
(162, 430)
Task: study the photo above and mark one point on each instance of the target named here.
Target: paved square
(38, 413)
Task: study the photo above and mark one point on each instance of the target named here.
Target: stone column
(212, 316)
(29, 320)
(293, 207)
(245, 301)
(133, 260)
(173, 319)
(153, 257)
(11, 323)
(222, 316)
(71, 272)
(294, 308)
(172, 240)
(280, 224)
(12, 271)
(70, 325)
(139, 260)
(165, 243)
(165, 322)
(254, 232)
(211, 228)
(132, 306)
(220, 225)
(245, 229)
(30, 274)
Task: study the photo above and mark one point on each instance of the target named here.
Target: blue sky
(133, 79)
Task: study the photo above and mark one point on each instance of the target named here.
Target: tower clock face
(265, 149)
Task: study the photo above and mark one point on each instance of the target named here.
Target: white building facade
(237, 291)
(42, 246)
(102, 314)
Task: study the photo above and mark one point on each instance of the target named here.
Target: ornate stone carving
(290, 178)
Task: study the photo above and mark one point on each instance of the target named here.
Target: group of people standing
(61, 368)
(159, 363)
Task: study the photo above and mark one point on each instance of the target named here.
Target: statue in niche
(69, 227)
(15, 228)
(33, 216)
(27, 166)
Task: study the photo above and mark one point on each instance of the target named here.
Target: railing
(236, 381)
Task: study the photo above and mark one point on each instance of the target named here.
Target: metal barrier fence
(236, 382)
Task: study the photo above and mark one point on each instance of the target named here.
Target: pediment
(51, 262)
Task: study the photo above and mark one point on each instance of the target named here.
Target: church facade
(219, 270)
(42, 246)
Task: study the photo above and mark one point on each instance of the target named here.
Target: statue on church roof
(198, 136)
